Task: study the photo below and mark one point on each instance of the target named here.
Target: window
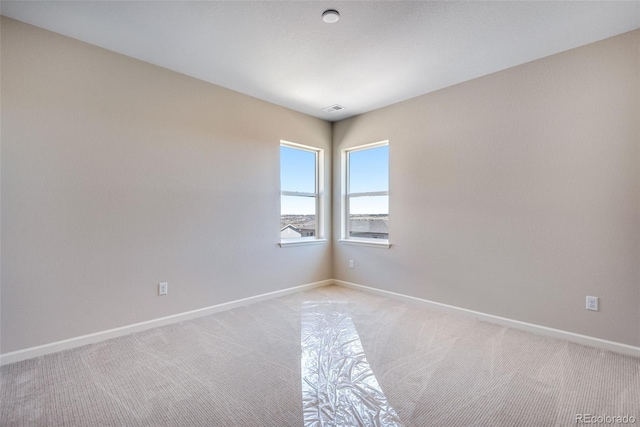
(366, 193)
(300, 192)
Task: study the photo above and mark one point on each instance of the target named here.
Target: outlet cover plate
(163, 288)
(592, 303)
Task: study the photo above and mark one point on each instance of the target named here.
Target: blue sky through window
(369, 172)
(297, 173)
(297, 170)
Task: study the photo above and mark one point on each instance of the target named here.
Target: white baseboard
(41, 350)
(29, 353)
(529, 327)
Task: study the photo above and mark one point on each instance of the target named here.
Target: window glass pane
(369, 170)
(369, 217)
(297, 217)
(297, 170)
(369, 205)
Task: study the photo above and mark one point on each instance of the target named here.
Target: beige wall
(515, 194)
(117, 175)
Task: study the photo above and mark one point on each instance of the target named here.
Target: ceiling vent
(333, 108)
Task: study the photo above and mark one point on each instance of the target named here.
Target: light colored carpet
(242, 368)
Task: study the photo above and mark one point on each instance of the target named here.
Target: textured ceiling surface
(377, 54)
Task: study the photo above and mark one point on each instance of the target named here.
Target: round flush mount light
(330, 16)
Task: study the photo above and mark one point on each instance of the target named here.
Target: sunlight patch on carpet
(338, 385)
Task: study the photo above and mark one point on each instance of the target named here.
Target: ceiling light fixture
(330, 16)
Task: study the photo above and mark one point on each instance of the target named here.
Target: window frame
(318, 195)
(346, 197)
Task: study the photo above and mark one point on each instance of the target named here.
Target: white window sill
(300, 242)
(375, 243)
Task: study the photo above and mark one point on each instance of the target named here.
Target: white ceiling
(377, 54)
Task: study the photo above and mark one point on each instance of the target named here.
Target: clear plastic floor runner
(338, 385)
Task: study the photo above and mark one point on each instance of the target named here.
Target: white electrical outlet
(592, 303)
(351, 264)
(163, 288)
